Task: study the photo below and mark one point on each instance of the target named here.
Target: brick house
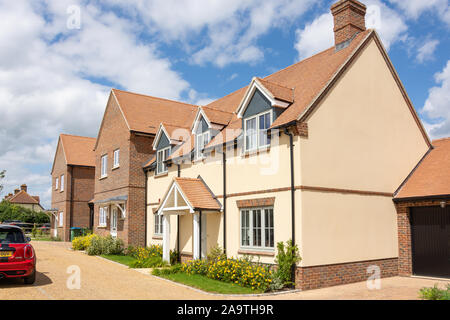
(314, 152)
(72, 173)
(22, 198)
(124, 144)
(423, 208)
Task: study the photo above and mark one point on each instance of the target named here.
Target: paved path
(103, 279)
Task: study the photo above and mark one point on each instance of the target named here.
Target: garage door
(430, 235)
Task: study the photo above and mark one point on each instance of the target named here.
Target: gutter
(178, 221)
(71, 197)
(146, 208)
(224, 164)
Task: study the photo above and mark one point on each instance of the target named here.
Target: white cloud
(437, 105)
(426, 51)
(414, 8)
(49, 80)
(318, 35)
(216, 31)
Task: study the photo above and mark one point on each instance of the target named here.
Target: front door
(114, 222)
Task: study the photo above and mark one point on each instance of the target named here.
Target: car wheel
(31, 278)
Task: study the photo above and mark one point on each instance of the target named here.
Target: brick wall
(349, 19)
(127, 180)
(315, 277)
(404, 232)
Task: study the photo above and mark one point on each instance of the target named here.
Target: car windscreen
(11, 235)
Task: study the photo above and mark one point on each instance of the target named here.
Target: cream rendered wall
(361, 137)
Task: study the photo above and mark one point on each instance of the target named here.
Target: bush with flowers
(150, 257)
(82, 243)
(242, 272)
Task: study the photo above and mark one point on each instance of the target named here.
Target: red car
(17, 256)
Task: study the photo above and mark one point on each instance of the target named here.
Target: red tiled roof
(145, 113)
(23, 198)
(432, 176)
(79, 151)
(197, 193)
(278, 91)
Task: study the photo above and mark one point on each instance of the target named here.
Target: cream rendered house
(312, 153)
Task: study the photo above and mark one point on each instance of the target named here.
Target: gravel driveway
(103, 279)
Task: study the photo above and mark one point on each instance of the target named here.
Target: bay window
(161, 156)
(257, 229)
(256, 131)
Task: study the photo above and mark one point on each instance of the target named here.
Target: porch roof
(113, 199)
(194, 192)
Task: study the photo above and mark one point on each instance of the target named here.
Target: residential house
(23, 199)
(312, 153)
(73, 174)
(123, 145)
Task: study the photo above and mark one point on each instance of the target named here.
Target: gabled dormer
(203, 131)
(263, 102)
(166, 139)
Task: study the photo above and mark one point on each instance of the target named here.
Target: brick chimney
(16, 191)
(23, 187)
(349, 20)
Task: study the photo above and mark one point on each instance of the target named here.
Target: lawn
(209, 285)
(123, 259)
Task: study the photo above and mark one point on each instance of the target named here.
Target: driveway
(103, 279)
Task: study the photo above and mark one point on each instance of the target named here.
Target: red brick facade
(315, 277)
(73, 200)
(404, 231)
(126, 180)
(349, 19)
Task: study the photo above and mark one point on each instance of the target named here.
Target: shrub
(286, 257)
(435, 293)
(167, 271)
(104, 245)
(34, 231)
(82, 243)
(241, 272)
(152, 262)
(215, 254)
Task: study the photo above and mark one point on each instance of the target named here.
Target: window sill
(160, 175)
(246, 154)
(102, 178)
(255, 252)
(101, 227)
(115, 168)
(157, 237)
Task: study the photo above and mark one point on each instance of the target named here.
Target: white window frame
(61, 219)
(158, 229)
(116, 158)
(104, 166)
(102, 214)
(198, 150)
(259, 145)
(56, 183)
(160, 158)
(251, 245)
(61, 183)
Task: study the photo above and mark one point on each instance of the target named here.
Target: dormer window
(256, 131)
(161, 156)
(201, 140)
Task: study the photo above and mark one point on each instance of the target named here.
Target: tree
(2, 176)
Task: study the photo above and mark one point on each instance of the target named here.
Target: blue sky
(60, 58)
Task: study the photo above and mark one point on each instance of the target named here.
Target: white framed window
(201, 140)
(103, 212)
(104, 167)
(62, 183)
(61, 219)
(256, 131)
(158, 224)
(161, 156)
(56, 183)
(116, 158)
(257, 228)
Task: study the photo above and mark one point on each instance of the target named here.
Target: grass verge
(209, 285)
(125, 260)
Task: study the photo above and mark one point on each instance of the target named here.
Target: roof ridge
(75, 136)
(26, 193)
(153, 97)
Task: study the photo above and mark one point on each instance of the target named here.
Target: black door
(430, 233)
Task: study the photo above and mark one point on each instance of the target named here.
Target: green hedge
(10, 211)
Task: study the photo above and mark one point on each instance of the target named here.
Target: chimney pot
(349, 20)
(24, 187)
(16, 191)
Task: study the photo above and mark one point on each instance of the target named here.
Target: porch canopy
(119, 202)
(186, 196)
